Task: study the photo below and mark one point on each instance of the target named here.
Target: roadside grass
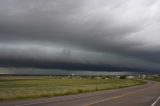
(154, 79)
(12, 89)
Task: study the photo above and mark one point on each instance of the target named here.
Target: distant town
(73, 76)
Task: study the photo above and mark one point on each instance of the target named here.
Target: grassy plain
(155, 79)
(12, 88)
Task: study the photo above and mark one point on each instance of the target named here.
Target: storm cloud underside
(94, 35)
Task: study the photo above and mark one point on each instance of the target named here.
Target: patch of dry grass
(11, 88)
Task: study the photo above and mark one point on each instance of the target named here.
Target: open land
(13, 88)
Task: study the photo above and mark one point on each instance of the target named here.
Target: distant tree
(123, 77)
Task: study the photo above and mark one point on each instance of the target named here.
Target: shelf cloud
(99, 35)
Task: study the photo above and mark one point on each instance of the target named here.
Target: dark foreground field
(12, 88)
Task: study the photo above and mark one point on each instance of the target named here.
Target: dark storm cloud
(79, 33)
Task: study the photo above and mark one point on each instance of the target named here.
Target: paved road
(146, 95)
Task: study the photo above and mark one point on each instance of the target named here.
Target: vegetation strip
(46, 87)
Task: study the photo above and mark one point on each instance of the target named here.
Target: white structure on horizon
(130, 77)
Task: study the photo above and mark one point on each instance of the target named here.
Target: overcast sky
(80, 34)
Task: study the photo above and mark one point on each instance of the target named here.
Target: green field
(13, 88)
(155, 79)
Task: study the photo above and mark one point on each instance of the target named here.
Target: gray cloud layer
(97, 32)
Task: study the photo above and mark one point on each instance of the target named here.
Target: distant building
(143, 76)
(118, 76)
(72, 74)
(98, 78)
(106, 78)
(130, 77)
